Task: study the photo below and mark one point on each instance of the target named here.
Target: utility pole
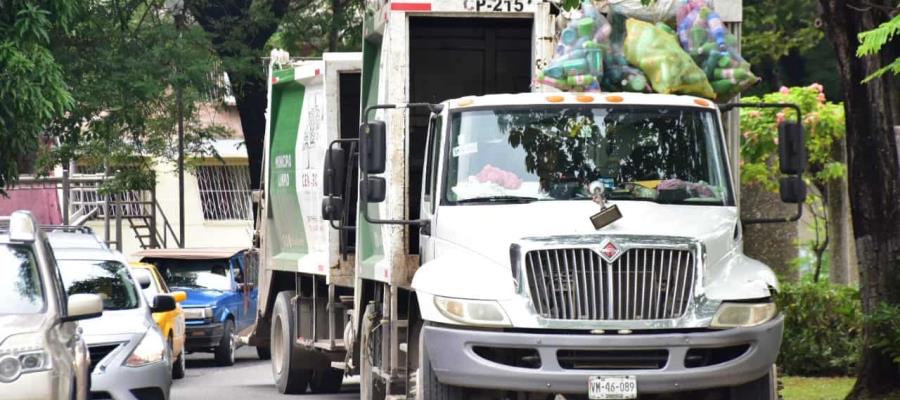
(179, 25)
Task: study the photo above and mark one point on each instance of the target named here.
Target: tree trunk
(337, 11)
(773, 244)
(839, 230)
(874, 176)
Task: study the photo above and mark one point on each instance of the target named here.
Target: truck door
(430, 192)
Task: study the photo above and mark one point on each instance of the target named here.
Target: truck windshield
(509, 155)
(20, 281)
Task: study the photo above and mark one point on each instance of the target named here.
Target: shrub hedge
(823, 329)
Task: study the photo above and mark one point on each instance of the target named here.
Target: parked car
(129, 355)
(171, 323)
(42, 353)
(221, 303)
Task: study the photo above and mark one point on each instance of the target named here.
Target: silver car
(129, 357)
(42, 354)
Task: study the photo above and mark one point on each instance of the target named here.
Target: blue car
(221, 296)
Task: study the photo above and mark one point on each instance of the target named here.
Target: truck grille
(641, 284)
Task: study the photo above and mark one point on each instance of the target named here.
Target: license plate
(612, 387)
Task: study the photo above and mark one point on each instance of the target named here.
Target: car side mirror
(144, 281)
(179, 296)
(792, 189)
(791, 149)
(334, 172)
(375, 189)
(83, 306)
(332, 208)
(162, 303)
(376, 146)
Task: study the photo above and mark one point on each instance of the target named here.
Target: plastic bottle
(580, 80)
(586, 27)
(577, 66)
(555, 71)
(595, 61)
(717, 28)
(569, 36)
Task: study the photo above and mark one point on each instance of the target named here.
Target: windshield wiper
(499, 200)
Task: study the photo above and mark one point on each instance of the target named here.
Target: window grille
(225, 192)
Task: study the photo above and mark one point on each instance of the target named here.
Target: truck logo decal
(609, 251)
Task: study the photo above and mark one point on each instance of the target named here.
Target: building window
(225, 192)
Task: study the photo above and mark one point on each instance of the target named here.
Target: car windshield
(666, 155)
(214, 275)
(20, 281)
(109, 279)
(149, 291)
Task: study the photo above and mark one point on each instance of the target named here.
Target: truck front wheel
(427, 385)
(766, 387)
(290, 378)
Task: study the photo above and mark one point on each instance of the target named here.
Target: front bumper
(455, 362)
(119, 382)
(32, 386)
(202, 337)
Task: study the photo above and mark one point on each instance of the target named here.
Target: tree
(123, 60)
(321, 25)
(239, 31)
(32, 87)
(873, 112)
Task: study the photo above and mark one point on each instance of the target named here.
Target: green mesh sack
(659, 55)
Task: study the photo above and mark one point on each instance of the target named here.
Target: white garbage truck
(481, 237)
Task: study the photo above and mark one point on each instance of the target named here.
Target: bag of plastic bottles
(658, 54)
(656, 11)
(585, 60)
(704, 36)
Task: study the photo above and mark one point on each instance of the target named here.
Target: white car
(42, 354)
(130, 359)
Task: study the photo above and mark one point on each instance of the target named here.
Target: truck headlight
(151, 349)
(732, 315)
(204, 313)
(473, 312)
(15, 364)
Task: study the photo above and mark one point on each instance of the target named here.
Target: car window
(109, 279)
(199, 274)
(21, 291)
(150, 291)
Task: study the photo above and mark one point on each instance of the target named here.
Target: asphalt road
(248, 378)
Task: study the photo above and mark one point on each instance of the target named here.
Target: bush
(823, 329)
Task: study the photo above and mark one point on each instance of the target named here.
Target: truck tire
(764, 388)
(326, 381)
(263, 352)
(286, 359)
(427, 386)
(225, 350)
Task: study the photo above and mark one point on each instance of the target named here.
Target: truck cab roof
(618, 98)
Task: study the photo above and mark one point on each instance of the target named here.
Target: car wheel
(287, 360)
(263, 352)
(179, 366)
(225, 349)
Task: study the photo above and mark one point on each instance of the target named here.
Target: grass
(800, 388)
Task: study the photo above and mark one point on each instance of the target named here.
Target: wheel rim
(277, 346)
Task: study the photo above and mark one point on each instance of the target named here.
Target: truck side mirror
(791, 149)
(332, 208)
(375, 189)
(334, 172)
(792, 189)
(376, 141)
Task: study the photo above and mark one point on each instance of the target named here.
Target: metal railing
(225, 192)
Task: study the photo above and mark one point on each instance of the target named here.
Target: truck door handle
(425, 229)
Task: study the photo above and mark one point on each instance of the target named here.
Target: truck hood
(489, 230)
(200, 297)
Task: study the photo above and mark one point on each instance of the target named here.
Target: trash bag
(668, 67)
(656, 11)
(704, 36)
(585, 59)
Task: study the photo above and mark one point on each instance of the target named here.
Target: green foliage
(774, 28)
(823, 329)
(32, 85)
(823, 123)
(885, 324)
(311, 28)
(871, 42)
(128, 62)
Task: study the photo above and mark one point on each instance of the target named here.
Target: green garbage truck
(482, 236)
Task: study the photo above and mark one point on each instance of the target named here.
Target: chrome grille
(576, 283)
